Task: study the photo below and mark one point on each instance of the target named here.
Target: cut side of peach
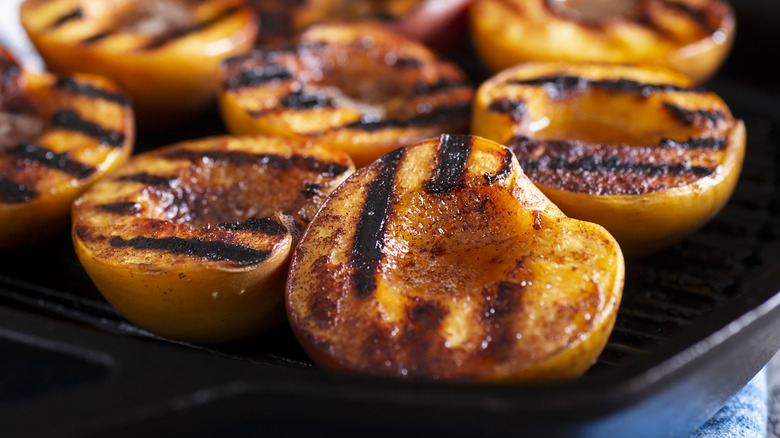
(192, 241)
(692, 37)
(58, 135)
(638, 150)
(359, 88)
(163, 53)
(442, 260)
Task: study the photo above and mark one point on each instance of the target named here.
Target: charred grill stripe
(370, 230)
(48, 158)
(444, 114)
(268, 226)
(306, 163)
(195, 247)
(123, 208)
(73, 86)
(712, 143)
(615, 165)
(560, 86)
(514, 107)
(149, 180)
(97, 37)
(312, 190)
(406, 62)
(434, 87)
(453, 153)
(257, 76)
(300, 100)
(13, 193)
(72, 15)
(503, 172)
(692, 117)
(70, 120)
(696, 15)
(175, 34)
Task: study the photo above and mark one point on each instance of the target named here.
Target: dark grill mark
(694, 117)
(12, 192)
(70, 120)
(125, 208)
(311, 190)
(305, 163)
(300, 100)
(266, 225)
(48, 158)
(696, 15)
(69, 84)
(445, 114)
(515, 108)
(195, 247)
(175, 34)
(453, 153)
(712, 143)
(430, 88)
(506, 169)
(562, 86)
(406, 63)
(370, 229)
(73, 15)
(97, 37)
(615, 165)
(149, 180)
(257, 76)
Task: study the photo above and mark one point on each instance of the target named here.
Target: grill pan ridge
(696, 323)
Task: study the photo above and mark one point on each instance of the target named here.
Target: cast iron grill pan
(696, 322)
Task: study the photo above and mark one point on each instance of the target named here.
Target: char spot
(312, 190)
(97, 37)
(370, 230)
(48, 158)
(70, 16)
(195, 247)
(515, 108)
(75, 87)
(615, 165)
(563, 86)
(305, 163)
(299, 100)
(694, 117)
(453, 153)
(503, 172)
(257, 76)
(12, 192)
(712, 143)
(406, 62)
(149, 179)
(124, 208)
(266, 225)
(70, 120)
(429, 88)
(175, 34)
(443, 114)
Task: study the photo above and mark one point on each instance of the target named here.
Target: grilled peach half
(163, 53)
(358, 87)
(692, 37)
(637, 150)
(58, 135)
(442, 260)
(192, 241)
(435, 23)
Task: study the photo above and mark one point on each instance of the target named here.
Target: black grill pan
(696, 323)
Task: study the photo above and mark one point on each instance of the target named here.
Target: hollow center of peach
(18, 128)
(211, 192)
(156, 18)
(600, 116)
(596, 10)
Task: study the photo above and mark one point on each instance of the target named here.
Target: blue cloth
(743, 416)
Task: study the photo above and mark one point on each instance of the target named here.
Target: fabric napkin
(743, 416)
